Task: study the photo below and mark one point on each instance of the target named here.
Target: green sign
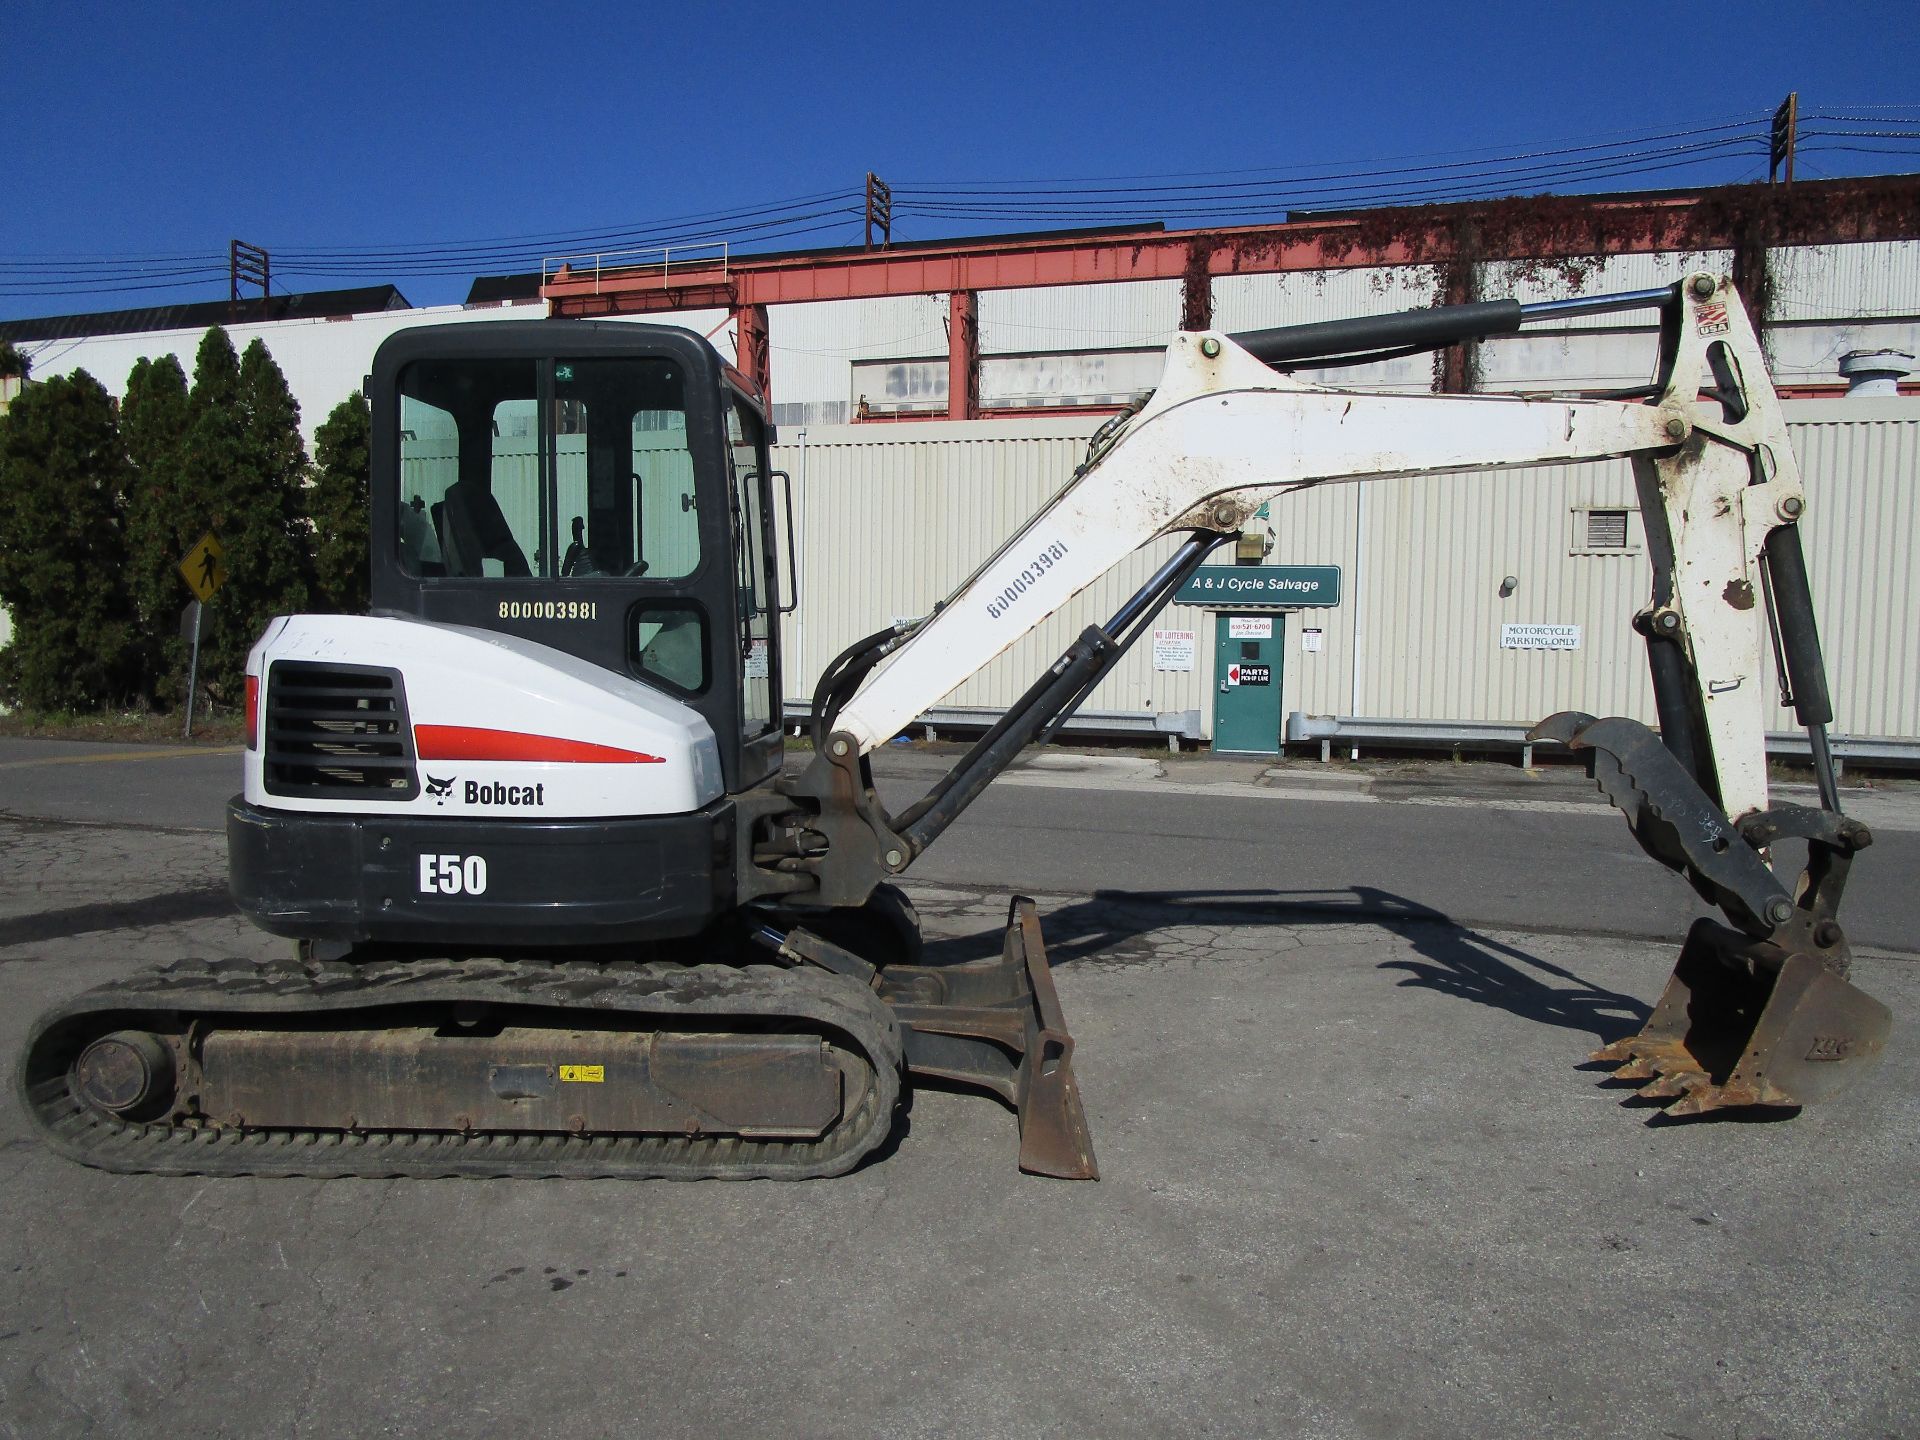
(1230, 587)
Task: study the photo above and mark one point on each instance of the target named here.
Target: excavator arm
(1229, 429)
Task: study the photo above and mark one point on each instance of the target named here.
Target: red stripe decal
(464, 742)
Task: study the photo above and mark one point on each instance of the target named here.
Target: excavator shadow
(1449, 957)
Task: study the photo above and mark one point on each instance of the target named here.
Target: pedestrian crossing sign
(204, 567)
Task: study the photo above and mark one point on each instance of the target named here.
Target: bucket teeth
(1642, 1056)
(1698, 1101)
(1674, 1082)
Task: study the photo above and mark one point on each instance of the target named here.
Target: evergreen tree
(244, 452)
(164, 517)
(63, 570)
(337, 502)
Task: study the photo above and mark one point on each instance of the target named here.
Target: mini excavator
(559, 912)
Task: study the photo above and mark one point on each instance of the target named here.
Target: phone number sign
(1229, 587)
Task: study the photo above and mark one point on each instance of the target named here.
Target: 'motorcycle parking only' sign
(1539, 637)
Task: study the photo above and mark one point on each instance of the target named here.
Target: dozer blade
(1747, 1022)
(997, 1024)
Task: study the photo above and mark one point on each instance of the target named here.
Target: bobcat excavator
(560, 913)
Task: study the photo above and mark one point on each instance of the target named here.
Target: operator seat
(476, 530)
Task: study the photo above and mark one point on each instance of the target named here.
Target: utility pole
(1786, 124)
(879, 210)
(248, 263)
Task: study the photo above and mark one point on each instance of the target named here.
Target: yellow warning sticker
(584, 1074)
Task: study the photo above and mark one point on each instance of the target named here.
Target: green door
(1246, 669)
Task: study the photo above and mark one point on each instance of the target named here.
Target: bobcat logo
(440, 789)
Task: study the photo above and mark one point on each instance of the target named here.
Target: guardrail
(628, 263)
(1351, 732)
(1173, 725)
(1375, 732)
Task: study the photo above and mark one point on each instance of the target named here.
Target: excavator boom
(1721, 497)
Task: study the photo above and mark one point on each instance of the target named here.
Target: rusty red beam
(1541, 228)
(963, 355)
(997, 265)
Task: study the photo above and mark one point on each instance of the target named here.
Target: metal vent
(338, 732)
(1606, 529)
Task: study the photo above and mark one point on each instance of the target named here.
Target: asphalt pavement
(1357, 1177)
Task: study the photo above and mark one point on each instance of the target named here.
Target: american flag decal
(1713, 319)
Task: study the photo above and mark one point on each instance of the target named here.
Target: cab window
(580, 473)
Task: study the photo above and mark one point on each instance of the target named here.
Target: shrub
(337, 501)
(63, 550)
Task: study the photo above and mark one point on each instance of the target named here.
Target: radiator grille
(338, 732)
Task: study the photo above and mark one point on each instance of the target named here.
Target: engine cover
(392, 716)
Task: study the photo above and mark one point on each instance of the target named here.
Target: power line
(1404, 191)
(1342, 173)
(533, 260)
(1436, 177)
(1491, 151)
(551, 243)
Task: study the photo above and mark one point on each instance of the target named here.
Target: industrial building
(931, 396)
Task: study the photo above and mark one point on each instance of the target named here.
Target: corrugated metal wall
(893, 518)
(1861, 461)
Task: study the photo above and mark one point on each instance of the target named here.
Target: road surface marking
(120, 755)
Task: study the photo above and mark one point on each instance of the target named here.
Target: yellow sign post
(204, 568)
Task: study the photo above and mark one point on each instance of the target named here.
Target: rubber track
(652, 993)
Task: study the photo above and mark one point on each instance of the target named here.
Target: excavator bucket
(1751, 1023)
(997, 1024)
(1761, 1015)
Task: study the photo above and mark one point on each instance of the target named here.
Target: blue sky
(152, 130)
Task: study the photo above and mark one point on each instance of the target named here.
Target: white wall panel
(1261, 302)
(814, 346)
(1258, 302)
(1846, 282)
(1079, 317)
(324, 360)
(1570, 360)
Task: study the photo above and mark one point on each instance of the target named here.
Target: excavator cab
(600, 489)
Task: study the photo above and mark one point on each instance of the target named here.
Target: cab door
(750, 500)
